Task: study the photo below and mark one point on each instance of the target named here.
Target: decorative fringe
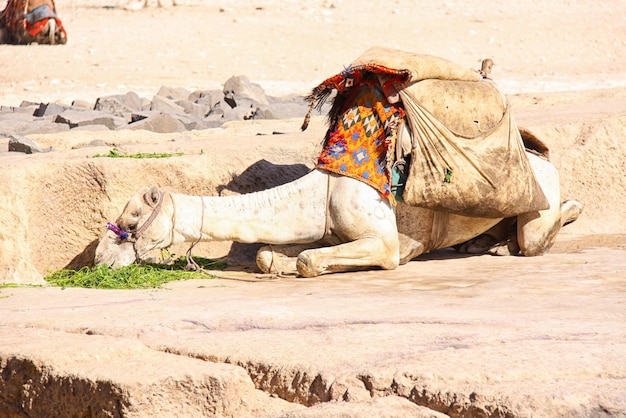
(343, 83)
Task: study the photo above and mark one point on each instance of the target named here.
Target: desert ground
(444, 335)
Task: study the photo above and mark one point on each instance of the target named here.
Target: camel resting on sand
(329, 221)
(325, 223)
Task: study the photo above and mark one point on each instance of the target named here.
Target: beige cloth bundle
(467, 153)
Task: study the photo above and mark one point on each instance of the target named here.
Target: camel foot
(570, 211)
(306, 266)
(281, 259)
(271, 260)
(479, 245)
(409, 248)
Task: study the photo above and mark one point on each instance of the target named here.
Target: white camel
(326, 223)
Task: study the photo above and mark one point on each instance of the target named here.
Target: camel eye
(132, 227)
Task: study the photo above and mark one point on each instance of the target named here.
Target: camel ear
(152, 196)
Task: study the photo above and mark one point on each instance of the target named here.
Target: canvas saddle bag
(467, 155)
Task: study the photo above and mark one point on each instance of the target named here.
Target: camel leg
(371, 251)
(281, 259)
(409, 248)
(537, 231)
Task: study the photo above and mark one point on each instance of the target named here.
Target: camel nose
(125, 226)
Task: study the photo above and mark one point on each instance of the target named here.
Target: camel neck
(291, 213)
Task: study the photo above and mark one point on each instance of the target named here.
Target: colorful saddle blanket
(361, 137)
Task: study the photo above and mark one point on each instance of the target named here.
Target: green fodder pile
(134, 276)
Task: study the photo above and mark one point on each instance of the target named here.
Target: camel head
(146, 223)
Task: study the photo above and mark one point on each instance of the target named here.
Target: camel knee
(306, 265)
(536, 238)
(280, 259)
(570, 211)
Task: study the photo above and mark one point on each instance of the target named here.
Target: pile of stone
(170, 110)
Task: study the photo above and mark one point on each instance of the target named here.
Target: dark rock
(229, 98)
(49, 109)
(76, 118)
(242, 86)
(18, 143)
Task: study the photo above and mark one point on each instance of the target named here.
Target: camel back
(467, 155)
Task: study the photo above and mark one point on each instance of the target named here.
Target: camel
(332, 220)
(326, 223)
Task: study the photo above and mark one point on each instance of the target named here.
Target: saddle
(466, 154)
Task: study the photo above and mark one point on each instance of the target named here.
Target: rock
(73, 377)
(28, 103)
(191, 122)
(208, 98)
(82, 104)
(45, 127)
(165, 105)
(75, 118)
(90, 128)
(242, 86)
(218, 109)
(280, 110)
(19, 143)
(97, 143)
(192, 108)
(173, 93)
(15, 123)
(143, 114)
(49, 109)
(231, 109)
(22, 109)
(120, 104)
(158, 122)
(385, 407)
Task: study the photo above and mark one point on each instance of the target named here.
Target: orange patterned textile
(360, 142)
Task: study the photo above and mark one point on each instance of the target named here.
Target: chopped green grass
(115, 153)
(135, 276)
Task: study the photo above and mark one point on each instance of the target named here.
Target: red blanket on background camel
(28, 21)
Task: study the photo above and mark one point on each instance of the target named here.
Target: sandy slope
(289, 46)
